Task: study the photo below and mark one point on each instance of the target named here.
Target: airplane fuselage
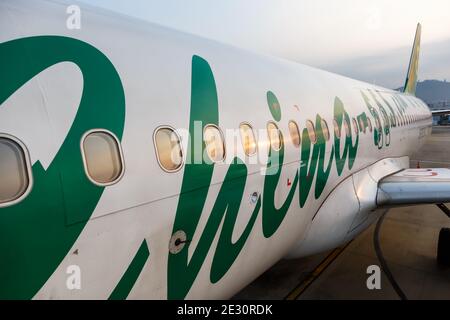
(204, 229)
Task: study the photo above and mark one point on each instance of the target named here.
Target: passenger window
(347, 128)
(14, 171)
(168, 149)
(362, 127)
(248, 139)
(325, 130)
(311, 131)
(215, 146)
(337, 132)
(378, 124)
(295, 133)
(355, 126)
(274, 136)
(369, 124)
(102, 157)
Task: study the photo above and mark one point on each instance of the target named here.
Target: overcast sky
(365, 39)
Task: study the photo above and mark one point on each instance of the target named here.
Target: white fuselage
(155, 68)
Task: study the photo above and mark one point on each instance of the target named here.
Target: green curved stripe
(126, 283)
(182, 271)
(271, 216)
(378, 137)
(386, 119)
(350, 150)
(227, 204)
(194, 191)
(37, 233)
(323, 171)
(34, 235)
(274, 105)
(313, 163)
(393, 117)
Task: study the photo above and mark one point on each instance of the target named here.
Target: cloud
(365, 39)
(389, 68)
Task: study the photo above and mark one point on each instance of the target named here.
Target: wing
(440, 112)
(414, 186)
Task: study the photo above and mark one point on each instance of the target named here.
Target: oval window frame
(355, 126)
(83, 155)
(347, 128)
(223, 142)
(324, 124)
(155, 147)
(309, 131)
(29, 170)
(254, 139)
(362, 125)
(369, 124)
(280, 136)
(337, 131)
(298, 132)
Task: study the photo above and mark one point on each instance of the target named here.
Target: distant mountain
(432, 91)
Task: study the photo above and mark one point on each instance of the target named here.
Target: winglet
(411, 80)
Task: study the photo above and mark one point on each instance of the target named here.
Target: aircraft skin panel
(240, 217)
